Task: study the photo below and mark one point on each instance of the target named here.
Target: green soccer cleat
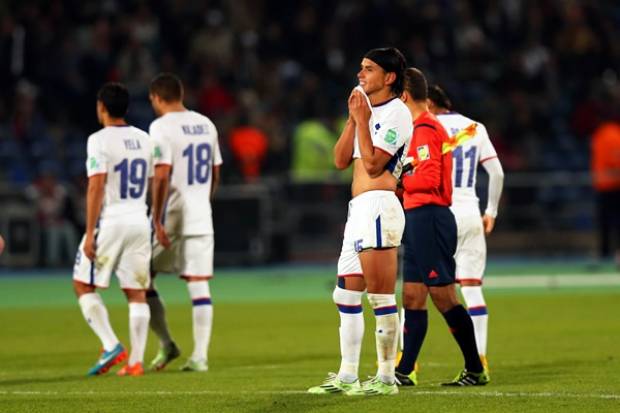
(410, 379)
(374, 387)
(192, 365)
(333, 384)
(164, 357)
(468, 378)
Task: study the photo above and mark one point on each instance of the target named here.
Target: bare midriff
(362, 182)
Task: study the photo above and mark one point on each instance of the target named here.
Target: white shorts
(122, 249)
(376, 220)
(471, 249)
(189, 255)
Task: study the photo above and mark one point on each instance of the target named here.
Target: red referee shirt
(430, 183)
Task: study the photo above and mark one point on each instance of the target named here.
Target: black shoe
(468, 378)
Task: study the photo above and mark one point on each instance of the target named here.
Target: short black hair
(391, 60)
(415, 84)
(167, 86)
(115, 97)
(439, 97)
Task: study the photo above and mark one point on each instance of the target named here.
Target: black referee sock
(416, 324)
(463, 331)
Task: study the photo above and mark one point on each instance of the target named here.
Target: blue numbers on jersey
(198, 163)
(458, 156)
(133, 177)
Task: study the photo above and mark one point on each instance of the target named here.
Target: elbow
(341, 163)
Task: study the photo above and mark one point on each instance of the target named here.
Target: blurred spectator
(606, 180)
(249, 147)
(55, 211)
(313, 157)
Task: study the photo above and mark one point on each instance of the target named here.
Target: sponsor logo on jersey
(157, 152)
(391, 136)
(423, 153)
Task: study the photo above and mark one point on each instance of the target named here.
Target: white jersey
(465, 160)
(391, 127)
(125, 154)
(188, 141)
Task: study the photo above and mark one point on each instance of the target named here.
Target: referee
(430, 242)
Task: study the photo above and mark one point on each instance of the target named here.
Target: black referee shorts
(430, 243)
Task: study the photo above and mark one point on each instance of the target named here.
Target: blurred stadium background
(274, 77)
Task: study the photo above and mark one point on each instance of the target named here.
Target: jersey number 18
(198, 163)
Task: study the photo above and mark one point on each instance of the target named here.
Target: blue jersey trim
(378, 230)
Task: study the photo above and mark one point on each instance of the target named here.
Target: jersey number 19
(133, 177)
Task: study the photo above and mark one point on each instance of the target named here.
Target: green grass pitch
(552, 348)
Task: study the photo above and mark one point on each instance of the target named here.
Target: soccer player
(430, 241)
(374, 138)
(187, 172)
(471, 250)
(117, 239)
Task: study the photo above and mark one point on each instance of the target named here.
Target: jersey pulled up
(390, 127)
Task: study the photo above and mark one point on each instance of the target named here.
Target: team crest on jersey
(391, 136)
(423, 153)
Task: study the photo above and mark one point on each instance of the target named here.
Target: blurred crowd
(274, 76)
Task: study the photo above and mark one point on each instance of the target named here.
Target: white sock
(96, 316)
(386, 333)
(139, 315)
(158, 318)
(477, 309)
(351, 332)
(202, 316)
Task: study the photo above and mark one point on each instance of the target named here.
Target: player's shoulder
(396, 106)
(455, 119)
(201, 118)
(138, 132)
(427, 119)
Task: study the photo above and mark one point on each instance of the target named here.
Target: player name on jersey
(132, 144)
(195, 129)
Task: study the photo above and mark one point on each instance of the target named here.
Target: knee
(381, 300)
(347, 297)
(413, 301)
(444, 302)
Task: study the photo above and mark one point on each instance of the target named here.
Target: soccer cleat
(399, 356)
(165, 356)
(468, 378)
(374, 387)
(333, 384)
(192, 365)
(410, 379)
(135, 370)
(108, 359)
